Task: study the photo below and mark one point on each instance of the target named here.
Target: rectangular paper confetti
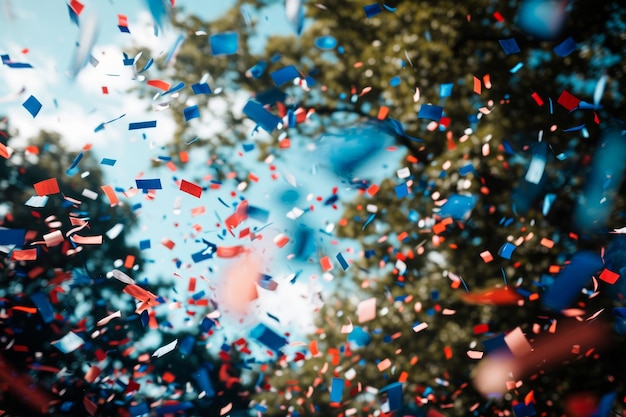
(191, 188)
(142, 125)
(47, 187)
(32, 105)
(284, 75)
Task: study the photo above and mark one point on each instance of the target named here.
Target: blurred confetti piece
(86, 40)
(294, 12)
(68, 343)
(336, 390)
(238, 286)
(164, 350)
(366, 310)
(108, 318)
(226, 43)
(571, 280)
(492, 296)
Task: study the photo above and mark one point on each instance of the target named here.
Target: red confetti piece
(105, 89)
(498, 16)
(537, 99)
(609, 276)
(568, 100)
(477, 86)
(229, 251)
(191, 188)
(373, 189)
(326, 264)
(122, 20)
(4, 151)
(47, 187)
(24, 255)
(77, 6)
(160, 84)
(168, 243)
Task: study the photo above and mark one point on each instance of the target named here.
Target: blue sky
(74, 107)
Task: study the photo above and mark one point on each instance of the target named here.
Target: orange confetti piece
(229, 251)
(110, 193)
(373, 189)
(382, 113)
(492, 296)
(447, 351)
(24, 254)
(477, 86)
(129, 262)
(160, 84)
(168, 243)
(547, 243)
(384, 364)
(326, 264)
(47, 187)
(487, 256)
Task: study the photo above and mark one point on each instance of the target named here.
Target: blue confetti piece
(517, 67)
(336, 390)
(326, 42)
(172, 409)
(201, 88)
(284, 75)
(123, 29)
(359, 337)
(226, 43)
(572, 279)
(142, 125)
(145, 318)
(497, 344)
(107, 161)
(368, 221)
(372, 10)
(43, 306)
(144, 244)
(261, 117)
(524, 410)
(394, 395)
(342, 262)
(72, 14)
(458, 207)
(12, 237)
(139, 409)
(395, 81)
(431, 112)
(268, 337)
(509, 46)
(258, 214)
(606, 405)
(174, 49)
(445, 90)
(547, 203)
(206, 325)
(258, 69)
(186, 346)
(149, 184)
(506, 250)
(174, 89)
(402, 190)
(191, 112)
(32, 105)
(467, 169)
(565, 48)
